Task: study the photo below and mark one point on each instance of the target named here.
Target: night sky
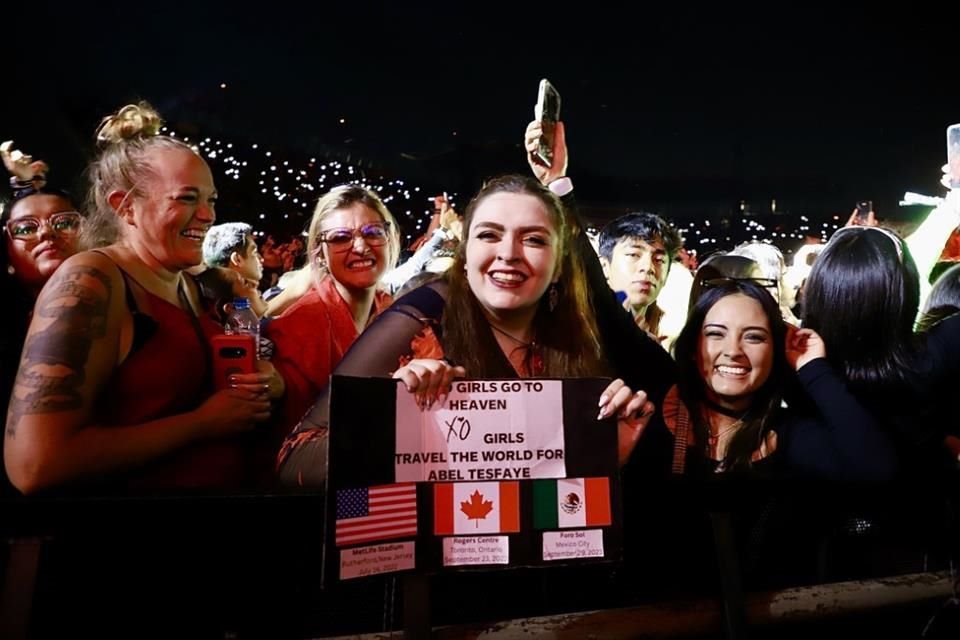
(667, 105)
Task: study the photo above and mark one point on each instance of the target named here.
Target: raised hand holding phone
(863, 215)
(545, 174)
(864, 209)
(547, 113)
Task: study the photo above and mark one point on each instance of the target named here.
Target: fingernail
(603, 400)
(442, 399)
(602, 414)
(232, 378)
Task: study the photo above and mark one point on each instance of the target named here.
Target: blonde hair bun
(134, 121)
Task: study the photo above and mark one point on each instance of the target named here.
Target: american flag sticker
(376, 513)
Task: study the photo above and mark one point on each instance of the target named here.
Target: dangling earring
(553, 296)
(10, 269)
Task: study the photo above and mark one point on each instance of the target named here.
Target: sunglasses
(341, 239)
(765, 283)
(771, 285)
(65, 223)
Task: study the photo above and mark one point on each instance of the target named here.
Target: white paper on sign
(572, 545)
(485, 430)
(476, 550)
(375, 559)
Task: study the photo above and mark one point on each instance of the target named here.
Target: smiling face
(173, 210)
(511, 253)
(736, 351)
(35, 256)
(360, 262)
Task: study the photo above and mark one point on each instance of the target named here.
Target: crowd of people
(767, 365)
(839, 368)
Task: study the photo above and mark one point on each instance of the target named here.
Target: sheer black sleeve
(633, 355)
(378, 350)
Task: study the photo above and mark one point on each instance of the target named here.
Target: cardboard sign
(503, 473)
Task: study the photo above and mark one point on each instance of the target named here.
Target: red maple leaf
(476, 508)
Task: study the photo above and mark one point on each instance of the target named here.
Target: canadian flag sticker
(476, 508)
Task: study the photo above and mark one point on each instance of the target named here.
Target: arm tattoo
(52, 369)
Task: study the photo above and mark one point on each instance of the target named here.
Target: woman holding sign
(514, 304)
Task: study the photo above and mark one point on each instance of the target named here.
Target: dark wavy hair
(765, 407)
(566, 336)
(862, 297)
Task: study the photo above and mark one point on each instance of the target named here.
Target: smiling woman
(515, 304)
(352, 242)
(114, 388)
(735, 356)
(41, 229)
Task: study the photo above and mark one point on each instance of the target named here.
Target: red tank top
(168, 374)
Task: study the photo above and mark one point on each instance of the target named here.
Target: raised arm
(634, 356)
(396, 278)
(927, 241)
(844, 441)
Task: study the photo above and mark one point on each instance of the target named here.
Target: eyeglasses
(340, 239)
(65, 223)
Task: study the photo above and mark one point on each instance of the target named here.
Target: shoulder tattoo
(72, 311)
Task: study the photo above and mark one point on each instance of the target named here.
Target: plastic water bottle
(242, 320)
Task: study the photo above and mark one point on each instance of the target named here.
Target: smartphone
(864, 207)
(953, 154)
(547, 112)
(232, 354)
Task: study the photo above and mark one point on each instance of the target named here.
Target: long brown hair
(566, 337)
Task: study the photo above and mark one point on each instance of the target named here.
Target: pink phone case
(232, 354)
